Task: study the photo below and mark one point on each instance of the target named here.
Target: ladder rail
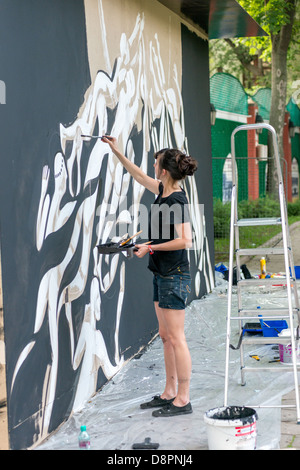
(229, 298)
(288, 260)
(289, 292)
(248, 127)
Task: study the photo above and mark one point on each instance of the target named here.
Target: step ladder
(291, 313)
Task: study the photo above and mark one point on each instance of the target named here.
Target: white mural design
(137, 101)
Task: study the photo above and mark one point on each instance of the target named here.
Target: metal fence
(253, 201)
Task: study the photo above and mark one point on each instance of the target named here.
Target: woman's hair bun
(177, 163)
(186, 165)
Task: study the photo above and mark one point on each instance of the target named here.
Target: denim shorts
(172, 291)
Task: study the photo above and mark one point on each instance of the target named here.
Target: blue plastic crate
(272, 327)
(297, 272)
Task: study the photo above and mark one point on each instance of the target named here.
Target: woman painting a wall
(75, 305)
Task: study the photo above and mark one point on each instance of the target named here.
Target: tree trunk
(280, 44)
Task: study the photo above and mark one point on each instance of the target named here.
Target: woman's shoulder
(179, 196)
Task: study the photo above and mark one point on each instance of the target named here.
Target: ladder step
(259, 221)
(269, 317)
(259, 251)
(275, 368)
(266, 340)
(262, 282)
(266, 313)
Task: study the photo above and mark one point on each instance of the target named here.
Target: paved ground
(290, 431)
(275, 263)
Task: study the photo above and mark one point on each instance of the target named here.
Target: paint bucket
(285, 351)
(231, 428)
(285, 354)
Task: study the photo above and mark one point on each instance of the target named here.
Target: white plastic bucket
(285, 354)
(231, 428)
(285, 351)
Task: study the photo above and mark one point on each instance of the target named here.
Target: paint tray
(111, 248)
(252, 328)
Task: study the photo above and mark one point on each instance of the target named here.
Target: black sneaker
(155, 402)
(172, 410)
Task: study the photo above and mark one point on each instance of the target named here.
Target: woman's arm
(149, 183)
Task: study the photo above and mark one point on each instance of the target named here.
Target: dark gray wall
(196, 102)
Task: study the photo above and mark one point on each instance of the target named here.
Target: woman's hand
(142, 250)
(142, 178)
(111, 141)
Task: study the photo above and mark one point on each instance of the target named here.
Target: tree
(277, 17)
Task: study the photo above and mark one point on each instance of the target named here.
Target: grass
(291, 443)
(250, 237)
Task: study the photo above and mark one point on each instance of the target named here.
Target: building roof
(216, 18)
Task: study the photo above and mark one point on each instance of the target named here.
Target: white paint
(2, 352)
(21, 359)
(2, 92)
(139, 89)
(228, 116)
(91, 352)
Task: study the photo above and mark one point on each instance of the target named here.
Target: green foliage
(254, 236)
(262, 207)
(221, 218)
(258, 208)
(293, 208)
(271, 15)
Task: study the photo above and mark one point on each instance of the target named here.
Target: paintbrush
(88, 137)
(130, 238)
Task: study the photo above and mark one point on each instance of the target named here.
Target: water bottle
(84, 439)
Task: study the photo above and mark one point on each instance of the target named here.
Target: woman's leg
(174, 323)
(170, 390)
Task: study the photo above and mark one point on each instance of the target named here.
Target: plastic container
(272, 327)
(285, 354)
(285, 350)
(231, 428)
(297, 272)
(84, 439)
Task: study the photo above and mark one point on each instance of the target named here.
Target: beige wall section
(3, 407)
(107, 20)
